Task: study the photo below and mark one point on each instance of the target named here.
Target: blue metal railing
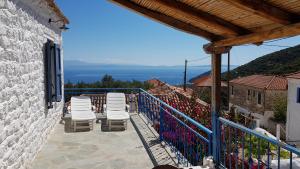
(190, 140)
(239, 147)
(242, 147)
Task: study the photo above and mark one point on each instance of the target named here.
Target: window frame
(259, 98)
(53, 69)
(248, 94)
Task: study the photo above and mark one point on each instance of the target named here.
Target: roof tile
(262, 82)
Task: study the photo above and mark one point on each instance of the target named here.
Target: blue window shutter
(58, 74)
(48, 66)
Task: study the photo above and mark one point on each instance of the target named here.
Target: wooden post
(216, 54)
(184, 83)
(215, 103)
(228, 79)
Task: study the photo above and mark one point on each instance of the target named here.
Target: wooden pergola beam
(170, 21)
(280, 32)
(211, 21)
(265, 10)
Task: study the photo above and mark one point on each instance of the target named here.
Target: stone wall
(25, 121)
(240, 98)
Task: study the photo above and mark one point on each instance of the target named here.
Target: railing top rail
(76, 89)
(200, 126)
(257, 134)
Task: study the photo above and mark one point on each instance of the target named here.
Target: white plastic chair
(81, 112)
(116, 110)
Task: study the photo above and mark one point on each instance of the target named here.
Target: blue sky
(104, 32)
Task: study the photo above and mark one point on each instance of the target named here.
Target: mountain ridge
(281, 62)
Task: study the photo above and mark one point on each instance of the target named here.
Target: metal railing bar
(208, 131)
(251, 132)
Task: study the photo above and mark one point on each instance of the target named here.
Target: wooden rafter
(211, 21)
(280, 32)
(175, 23)
(265, 10)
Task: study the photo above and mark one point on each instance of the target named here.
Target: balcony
(159, 134)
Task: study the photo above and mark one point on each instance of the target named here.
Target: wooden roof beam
(265, 10)
(170, 21)
(280, 32)
(211, 21)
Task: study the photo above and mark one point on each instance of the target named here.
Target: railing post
(161, 122)
(139, 102)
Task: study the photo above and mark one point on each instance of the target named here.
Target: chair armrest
(127, 107)
(104, 107)
(93, 108)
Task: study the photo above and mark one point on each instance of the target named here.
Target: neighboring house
(293, 108)
(31, 79)
(160, 89)
(256, 95)
(202, 84)
(206, 82)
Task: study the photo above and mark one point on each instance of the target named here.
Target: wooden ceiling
(224, 22)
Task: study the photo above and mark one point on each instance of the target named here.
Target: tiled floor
(95, 149)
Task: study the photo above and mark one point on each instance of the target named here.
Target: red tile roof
(162, 88)
(205, 81)
(295, 75)
(262, 82)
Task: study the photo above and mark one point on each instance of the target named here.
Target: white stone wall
(25, 122)
(293, 112)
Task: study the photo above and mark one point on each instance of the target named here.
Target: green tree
(280, 108)
(107, 81)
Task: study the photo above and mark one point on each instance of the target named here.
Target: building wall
(240, 95)
(25, 121)
(264, 111)
(293, 112)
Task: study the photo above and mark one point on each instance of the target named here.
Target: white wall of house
(25, 121)
(293, 112)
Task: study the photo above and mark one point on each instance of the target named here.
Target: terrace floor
(137, 147)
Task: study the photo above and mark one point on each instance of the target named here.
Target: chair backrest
(81, 103)
(116, 101)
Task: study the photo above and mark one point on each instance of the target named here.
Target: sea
(171, 74)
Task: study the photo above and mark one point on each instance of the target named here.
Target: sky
(103, 32)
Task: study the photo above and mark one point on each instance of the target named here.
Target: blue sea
(75, 72)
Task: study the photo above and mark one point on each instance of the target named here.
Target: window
(232, 90)
(298, 95)
(249, 95)
(259, 98)
(53, 73)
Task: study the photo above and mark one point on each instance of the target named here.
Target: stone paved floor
(95, 149)
(160, 155)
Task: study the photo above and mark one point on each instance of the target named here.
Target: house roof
(205, 81)
(57, 11)
(224, 22)
(295, 75)
(262, 82)
(162, 88)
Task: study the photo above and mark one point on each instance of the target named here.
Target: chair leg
(91, 125)
(125, 124)
(109, 125)
(74, 126)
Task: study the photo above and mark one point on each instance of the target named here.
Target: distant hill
(277, 63)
